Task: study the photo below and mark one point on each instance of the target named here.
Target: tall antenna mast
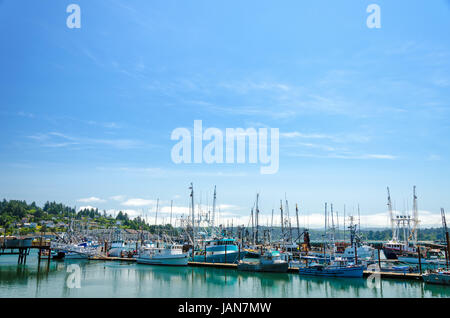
(214, 208)
(391, 214)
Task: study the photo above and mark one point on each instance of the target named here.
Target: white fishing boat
(73, 251)
(363, 252)
(171, 254)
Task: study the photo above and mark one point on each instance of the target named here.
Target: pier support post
(379, 260)
(420, 259)
(225, 253)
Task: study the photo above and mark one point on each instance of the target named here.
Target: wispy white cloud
(346, 156)
(139, 202)
(56, 139)
(340, 138)
(117, 197)
(91, 200)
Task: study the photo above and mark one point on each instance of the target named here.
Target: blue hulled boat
(222, 250)
(332, 270)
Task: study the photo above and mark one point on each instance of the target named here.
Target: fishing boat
(171, 254)
(394, 248)
(404, 238)
(428, 257)
(222, 250)
(270, 261)
(363, 252)
(441, 277)
(332, 270)
(72, 251)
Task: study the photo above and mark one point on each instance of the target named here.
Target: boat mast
(156, 219)
(444, 226)
(288, 219)
(156, 215)
(282, 220)
(344, 222)
(214, 208)
(415, 216)
(271, 227)
(333, 231)
(359, 222)
(325, 234)
(257, 218)
(253, 230)
(391, 215)
(171, 206)
(193, 207)
(298, 224)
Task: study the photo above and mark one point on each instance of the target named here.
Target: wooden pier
(23, 251)
(218, 265)
(109, 258)
(407, 276)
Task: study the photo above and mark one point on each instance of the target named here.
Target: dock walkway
(406, 276)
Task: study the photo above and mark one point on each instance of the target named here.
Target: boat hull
(356, 271)
(219, 257)
(415, 260)
(435, 278)
(181, 260)
(273, 268)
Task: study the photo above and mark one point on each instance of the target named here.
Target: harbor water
(125, 279)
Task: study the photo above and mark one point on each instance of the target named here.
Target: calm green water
(116, 279)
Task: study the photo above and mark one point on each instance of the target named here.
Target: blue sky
(86, 114)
